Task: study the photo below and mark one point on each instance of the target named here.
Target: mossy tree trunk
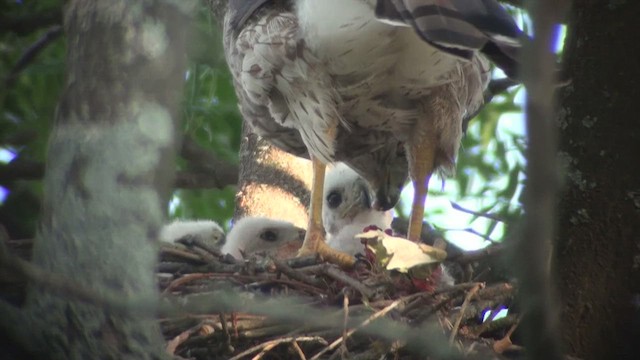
(108, 175)
(598, 248)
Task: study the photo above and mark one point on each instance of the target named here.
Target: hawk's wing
(256, 113)
(460, 27)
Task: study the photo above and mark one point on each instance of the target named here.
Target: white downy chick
(253, 234)
(208, 231)
(346, 209)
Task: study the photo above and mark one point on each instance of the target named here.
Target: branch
(31, 52)
(534, 249)
(27, 24)
(207, 163)
(208, 170)
(476, 213)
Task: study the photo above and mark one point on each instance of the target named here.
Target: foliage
(490, 162)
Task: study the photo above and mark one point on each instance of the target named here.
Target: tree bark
(273, 183)
(109, 174)
(598, 248)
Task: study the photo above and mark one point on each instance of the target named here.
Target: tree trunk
(598, 246)
(109, 174)
(273, 183)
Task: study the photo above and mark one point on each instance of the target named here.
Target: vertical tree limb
(109, 173)
(534, 250)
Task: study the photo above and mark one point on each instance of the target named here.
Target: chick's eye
(269, 236)
(334, 199)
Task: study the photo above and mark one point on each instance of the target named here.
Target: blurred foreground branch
(534, 249)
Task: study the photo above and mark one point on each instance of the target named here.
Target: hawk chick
(347, 209)
(253, 234)
(207, 231)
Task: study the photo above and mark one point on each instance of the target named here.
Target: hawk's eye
(334, 199)
(269, 236)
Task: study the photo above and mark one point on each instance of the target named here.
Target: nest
(326, 312)
(303, 308)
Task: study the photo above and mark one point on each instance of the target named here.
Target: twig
(196, 242)
(493, 325)
(415, 300)
(474, 232)
(225, 330)
(371, 318)
(476, 213)
(173, 344)
(172, 250)
(345, 324)
(471, 256)
(31, 52)
(505, 343)
(298, 350)
(336, 274)
(456, 326)
(295, 275)
(185, 279)
(273, 343)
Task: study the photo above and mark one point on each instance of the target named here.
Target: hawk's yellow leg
(314, 239)
(421, 157)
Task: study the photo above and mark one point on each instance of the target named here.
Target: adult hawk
(366, 82)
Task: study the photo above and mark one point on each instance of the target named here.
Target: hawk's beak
(386, 196)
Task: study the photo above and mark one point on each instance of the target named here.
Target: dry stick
(490, 326)
(467, 299)
(370, 319)
(225, 329)
(199, 243)
(182, 337)
(345, 305)
(184, 280)
(505, 343)
(168, 249)
(293, 274)
(296, 347)
(459, 207)
(416, 300)
(273, 343)
(342, 277)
